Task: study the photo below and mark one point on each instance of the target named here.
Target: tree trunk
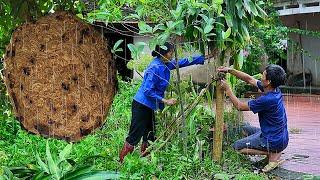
(218, 133)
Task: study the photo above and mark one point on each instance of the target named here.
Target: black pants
(142, 124)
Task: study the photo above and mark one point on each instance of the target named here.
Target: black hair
(159, 52)
(276, 75)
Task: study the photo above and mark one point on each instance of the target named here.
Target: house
(128, 31)
(302, 66)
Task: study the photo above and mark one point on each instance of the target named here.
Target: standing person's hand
(169, 102)
(225, 86)
(223, 69)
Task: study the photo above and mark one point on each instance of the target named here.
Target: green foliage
(15, 12)
(118, 10)
(7, 24)
(56, 167)
(266, 40)
(140, 64)
(242, 87)
(139, 59)
(101, 148)
(224, 22)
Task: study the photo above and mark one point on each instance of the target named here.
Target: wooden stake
(218, 133)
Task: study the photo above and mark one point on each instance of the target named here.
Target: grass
(17, 147)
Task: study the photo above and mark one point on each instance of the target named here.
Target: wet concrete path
(303, 151)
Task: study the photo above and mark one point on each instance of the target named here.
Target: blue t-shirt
(272, 118)
(156, 80)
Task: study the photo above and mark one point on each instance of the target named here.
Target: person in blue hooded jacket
(150, 97)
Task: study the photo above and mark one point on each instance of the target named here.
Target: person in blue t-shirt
(150, 97)
(272, 136)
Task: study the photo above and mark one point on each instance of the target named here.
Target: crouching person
(272, 136)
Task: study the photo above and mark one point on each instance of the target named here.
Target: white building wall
(312, 64)
(310, 44)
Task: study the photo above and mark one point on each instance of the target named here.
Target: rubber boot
(144, 146)
(127, 148)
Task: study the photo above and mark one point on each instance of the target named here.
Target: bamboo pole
(183, 126)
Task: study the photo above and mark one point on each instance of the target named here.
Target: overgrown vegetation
(101, 148)
(197, 20)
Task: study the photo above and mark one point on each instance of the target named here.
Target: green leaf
(22, 172)
(253, 8)
(239, 5)
(247, 5)
(140, 46)
(245, 32)
(65, 153)
(235, 25)
(144, 28)
(8, 173)
(204, 17)
(229, 20)
(177, 13)
(179, 28)
(199, 29)
(159, 27)
(131, 47)
(218, 1)
(132, 16)
(262, 13)
(43, 166)
(162, 38)
(134, 51)
(119, 50)
(97, 175)
(210, 34)
(116, 45)
(241, 13)
(38, 176)
(226, 34)
(77, 172)
(153, 42)
(208, 28)
(46, 177)
(220, 9)
(170, 24)
(195, 33)
(103, 15)
(53, 167)
(239, 38)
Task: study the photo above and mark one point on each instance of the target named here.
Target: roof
(293, 7)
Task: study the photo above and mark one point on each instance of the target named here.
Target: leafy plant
(139, 60)
(116, 48)
(57, 167)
